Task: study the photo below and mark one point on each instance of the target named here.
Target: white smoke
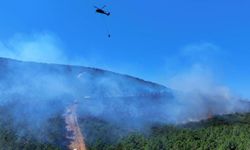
(198, 93)
(201, 92)
(198, 79)
(37, 47)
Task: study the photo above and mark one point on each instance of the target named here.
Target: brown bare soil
(75, 137)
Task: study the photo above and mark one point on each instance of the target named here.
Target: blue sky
(155, 40)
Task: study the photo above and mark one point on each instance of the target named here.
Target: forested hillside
(227, 132)
(21, 136)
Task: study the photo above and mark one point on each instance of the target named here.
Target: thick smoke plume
(34, 92)
(199, 90)
(202, 97)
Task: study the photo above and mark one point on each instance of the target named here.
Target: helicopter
(102, 11)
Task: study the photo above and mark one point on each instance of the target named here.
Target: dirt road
(75, 135)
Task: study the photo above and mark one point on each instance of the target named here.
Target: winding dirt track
(75, 135)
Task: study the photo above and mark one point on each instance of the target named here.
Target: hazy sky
(157, 40)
